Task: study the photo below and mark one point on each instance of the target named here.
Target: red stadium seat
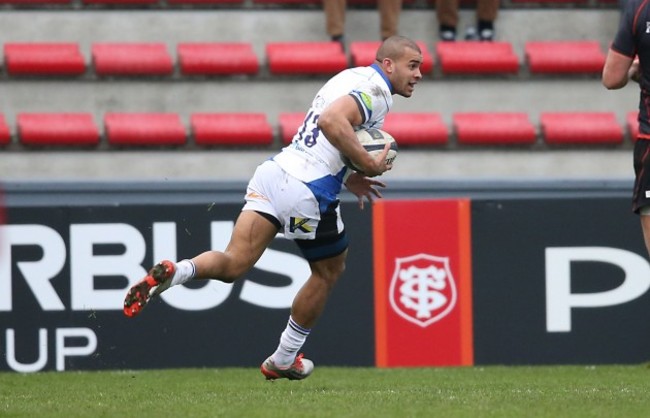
(231, 129)
(121, 2)
(36, 2)
(632, 122)
(474, 57)
(217, 58)
(206, 2)
(493, 128)
(363, 53)
(413, 129)
(52, 129)
(289, 124)
(144, 129)
(289, 2)
(374, 3)
(44, 58)
(551, 3)
(571, 128)
(132, 59)
(577, 57)
(306, 58)
(5, 133)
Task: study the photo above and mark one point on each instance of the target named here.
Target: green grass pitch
(495, 391)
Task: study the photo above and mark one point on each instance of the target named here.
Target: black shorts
(322, 248)
(641, 196)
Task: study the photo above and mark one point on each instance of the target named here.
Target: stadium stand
(586, 128)
(568, 57)
(132, 59)
(492, 128)
(217, 58)
(44, 59)
(241, 129)
(57, 129)
(193, 75)
(144, 129)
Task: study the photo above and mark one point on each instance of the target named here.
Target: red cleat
(158, 280)
(300, 369)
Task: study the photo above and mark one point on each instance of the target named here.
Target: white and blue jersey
(298, 188)
(311, 157)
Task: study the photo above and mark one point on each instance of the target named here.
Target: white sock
(292, 339)
(185, 271)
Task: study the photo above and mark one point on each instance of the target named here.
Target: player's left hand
(362, 186)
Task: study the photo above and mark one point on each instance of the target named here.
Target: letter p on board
(559, 299)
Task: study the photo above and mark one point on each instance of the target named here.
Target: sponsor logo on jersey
(299, 224)
(255, 195)
(367, 100)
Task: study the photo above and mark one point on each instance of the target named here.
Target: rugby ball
(374, 140)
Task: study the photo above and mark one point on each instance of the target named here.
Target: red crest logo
(422, 289)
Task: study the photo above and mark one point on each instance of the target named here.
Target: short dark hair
(394, 46)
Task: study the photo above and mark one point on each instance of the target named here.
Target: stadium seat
(564, 57)
(288, 2)
(121, 2)
(550, 3)
(144, 129)
(217, 58)
(36, 2)
(5, 133)
(306, 58)
(132, 59)
(364, 52)
(415, 129)
(56, 129)
(231, 129)
(474, 57)
(289, 124)
(632, 122)
(572, 128)
(206, 2)
(493, 128)
(44, 58)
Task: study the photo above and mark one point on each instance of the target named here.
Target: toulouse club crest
(422, 289)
